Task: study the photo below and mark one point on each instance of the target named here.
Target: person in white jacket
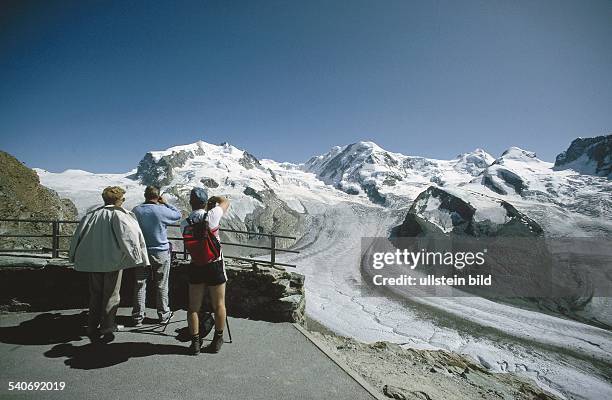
(106, 241)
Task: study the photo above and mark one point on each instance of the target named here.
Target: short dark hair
(151, 193)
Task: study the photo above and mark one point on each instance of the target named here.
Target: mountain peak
(366, 145)
(591, 156)
(516, 153)
(474, 161)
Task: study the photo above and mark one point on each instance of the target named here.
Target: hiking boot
(165, 320)
(216, 343)
(196, 345)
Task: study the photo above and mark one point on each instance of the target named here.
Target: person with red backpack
(201, 238)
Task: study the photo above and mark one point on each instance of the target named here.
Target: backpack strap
(190, 221)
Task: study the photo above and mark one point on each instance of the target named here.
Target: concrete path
(265, 361)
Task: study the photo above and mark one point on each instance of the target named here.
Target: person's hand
(161, 200)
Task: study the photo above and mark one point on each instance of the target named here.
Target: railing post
(55, 239)
(273, 250)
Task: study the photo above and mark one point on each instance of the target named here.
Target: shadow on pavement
(93, 356)
(60, 329)
(47, 328)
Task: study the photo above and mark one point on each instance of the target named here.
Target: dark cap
(199, 194)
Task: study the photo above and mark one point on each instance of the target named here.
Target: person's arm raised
(170, 213)
(224, 203)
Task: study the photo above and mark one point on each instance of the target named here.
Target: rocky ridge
(588, 156)
(23, 197)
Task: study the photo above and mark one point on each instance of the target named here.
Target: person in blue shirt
(153, 216)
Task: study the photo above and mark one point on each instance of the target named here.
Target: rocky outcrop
(209, 183)
(438, 211)
(274, 215)
(412, 374)
(500, 179)
(591, 156)
(23, 197)
(158, 171)
(265, 293)
(249, 161)
(253, 291)
(502, 175)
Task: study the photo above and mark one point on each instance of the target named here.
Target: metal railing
(56, 235)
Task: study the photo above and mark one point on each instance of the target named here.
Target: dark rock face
(417, 163)
(374, 194)
(22, 196)
(597, 150)
(507, 176)
(275, 216)
(249, 161)
(249, 191)
(435, 204)
(392, 179)
(209, 183)
(338, 165)
(264, 293)
(160, 172)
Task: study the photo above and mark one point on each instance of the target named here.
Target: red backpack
(200, 241)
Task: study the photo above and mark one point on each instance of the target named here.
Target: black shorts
(212, 274)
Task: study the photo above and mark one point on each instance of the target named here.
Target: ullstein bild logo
(491, 267)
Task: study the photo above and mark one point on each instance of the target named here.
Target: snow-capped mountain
(366, 168)
(589, 156)
(266, 194)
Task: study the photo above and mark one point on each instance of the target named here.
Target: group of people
(111, 238)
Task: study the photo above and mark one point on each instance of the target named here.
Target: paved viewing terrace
(264, 361)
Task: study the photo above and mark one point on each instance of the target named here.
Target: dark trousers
(103, 300)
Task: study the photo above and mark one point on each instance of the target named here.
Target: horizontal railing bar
(257, 233)
(39, 221)
(26, 220)
(247, 232)
(24, 250)
(259, 247)
(27, 236)
(245, 245)
(173, 225)
(260, 261)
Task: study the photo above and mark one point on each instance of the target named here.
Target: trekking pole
(229, 333)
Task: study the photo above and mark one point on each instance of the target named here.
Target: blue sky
(94, 85)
